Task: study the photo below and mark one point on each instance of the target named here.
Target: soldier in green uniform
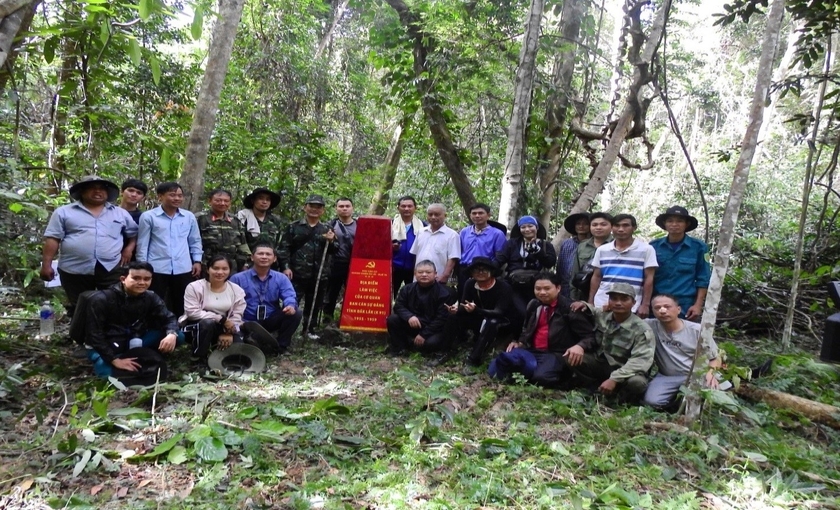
(600, 226)
(257, 219)
(626, 345)
(221, 232)
(300, 253)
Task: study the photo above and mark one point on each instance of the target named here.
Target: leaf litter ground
(336, 424)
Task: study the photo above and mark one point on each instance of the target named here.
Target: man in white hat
(94, 237)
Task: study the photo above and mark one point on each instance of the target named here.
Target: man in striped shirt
(624, 260)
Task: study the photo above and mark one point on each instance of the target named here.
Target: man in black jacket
(421, 312)
(486, 309)
(552, 340)
(127, 316)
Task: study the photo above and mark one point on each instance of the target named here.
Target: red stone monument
(367, 296)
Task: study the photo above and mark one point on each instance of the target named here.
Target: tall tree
(422, 44)
(738, 188)
(524, 84)
(558, 101)
(207, 105)
(632, 119)
(389, 170)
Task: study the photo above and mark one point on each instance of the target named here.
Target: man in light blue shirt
(270, 301)
(95, 238)
(170, 241)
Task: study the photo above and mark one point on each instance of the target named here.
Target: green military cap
(622, 288)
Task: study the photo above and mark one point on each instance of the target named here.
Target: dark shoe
(440, 358)
(255, 334)
(762, 369)
(395, 351)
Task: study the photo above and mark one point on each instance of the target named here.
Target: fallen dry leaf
(143, 483)
(25, 485)
(96, 489)
(121, 492)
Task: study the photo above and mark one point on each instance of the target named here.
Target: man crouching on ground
(625, 351)
(553, 340)
(420, 313)
(127, 316)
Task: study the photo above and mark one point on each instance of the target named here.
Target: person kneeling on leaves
(626, 344)
(271, 313)
(213, 309)
(421, 313)
(552, 340)
(128, 326)
(486, 310)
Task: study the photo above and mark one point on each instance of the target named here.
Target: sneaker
(394, 352)
(440, 358)
(260, 337)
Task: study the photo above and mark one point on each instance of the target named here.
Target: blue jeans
(518, 360)
(151, 339)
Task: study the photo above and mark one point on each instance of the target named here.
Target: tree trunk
(807, 184)
(207, 105)
(814, 411)
(58, 113)
(740, 178)
(12, 20)
(338, 13)
(524, 84)
(422, 43)
(642, 59)
(8, 52)
(558, 102)
(389, 172)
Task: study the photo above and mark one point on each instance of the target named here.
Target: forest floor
(339, 425)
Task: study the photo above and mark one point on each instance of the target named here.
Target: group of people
(577, 319)
(159, 278)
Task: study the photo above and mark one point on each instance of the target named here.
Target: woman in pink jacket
(213, 309)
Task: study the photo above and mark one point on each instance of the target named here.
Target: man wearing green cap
(626, 347)
(301, 253)
(95, 238)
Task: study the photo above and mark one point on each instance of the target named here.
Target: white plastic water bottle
(47, 317)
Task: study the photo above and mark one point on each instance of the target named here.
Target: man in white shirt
(438, 243)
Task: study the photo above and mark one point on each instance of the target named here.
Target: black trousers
(311, 304)
(400, 277)
(171, 289)
(75, 284)
(484, 338)
(401, 336)
(205, 335)
(282, 326)
(336, 282)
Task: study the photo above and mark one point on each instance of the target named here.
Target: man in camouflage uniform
(626, 346)
(221, 232)
(300, 253)
(257, 220)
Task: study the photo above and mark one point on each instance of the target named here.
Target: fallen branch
(814, 411)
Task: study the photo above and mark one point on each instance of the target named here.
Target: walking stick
(315, 295)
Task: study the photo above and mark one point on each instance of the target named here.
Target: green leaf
(128, 411)
(16, 207)
(177, 455)
(100, 407)
(197, 24)
(155, 65)
(80, 466)
(164, 447)
(145, 9)
(199, 432)
(755, 457)
(273, 430)
(249, 413)
(211, 449)
(105, 30)
(134, 51)
(558, 447)
(49, 49)
(163, 162)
